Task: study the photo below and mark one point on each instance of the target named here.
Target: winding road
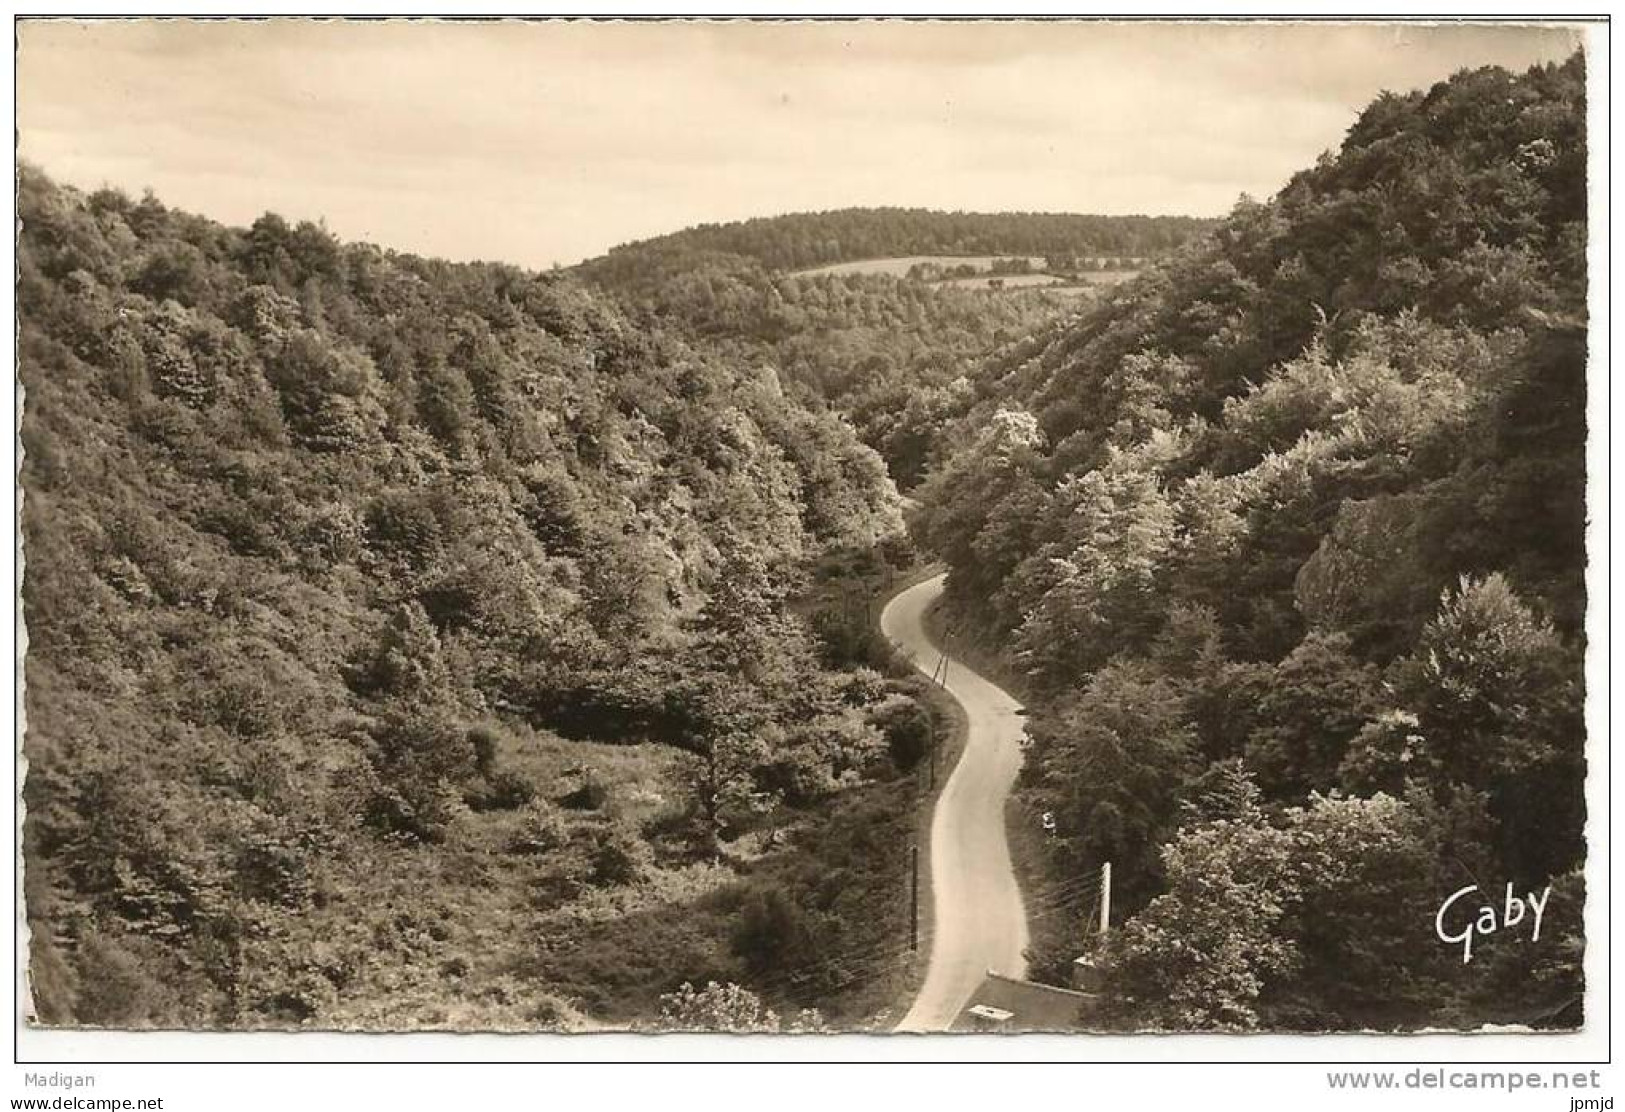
(979, 923)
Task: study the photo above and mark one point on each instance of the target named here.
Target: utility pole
(914, 899)
(1105, 898)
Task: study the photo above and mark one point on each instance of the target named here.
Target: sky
(548, 142)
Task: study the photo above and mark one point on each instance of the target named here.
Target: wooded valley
(414, 644)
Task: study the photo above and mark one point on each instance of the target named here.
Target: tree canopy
(373, 600)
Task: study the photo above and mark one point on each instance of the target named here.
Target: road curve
(979, 923)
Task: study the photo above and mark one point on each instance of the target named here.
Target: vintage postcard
(804, 527)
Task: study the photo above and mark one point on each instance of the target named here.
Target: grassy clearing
(551, 940)
(899, 266)
(808, 911)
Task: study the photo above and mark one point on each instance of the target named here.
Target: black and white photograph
(806, 527)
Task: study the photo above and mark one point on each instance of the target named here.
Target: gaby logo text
(1456, 922)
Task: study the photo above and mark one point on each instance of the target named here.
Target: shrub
(590, 796)
(402, 525)
(771, 933)
(908, 728)
(850, 640)
(617, 857)
(421, 759)
(115, 990)
(501, 791)
(542, 830)
(724, 1007)
(487, 743)
(272, 871)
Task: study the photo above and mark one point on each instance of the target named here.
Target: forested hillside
(891, 356)
(1287, 541)
(414, 644)
(808, 239)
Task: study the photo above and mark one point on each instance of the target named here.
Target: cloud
(544, 141)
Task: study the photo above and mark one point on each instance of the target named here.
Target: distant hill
(878, 312)
(809, 239)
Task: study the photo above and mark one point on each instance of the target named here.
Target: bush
(771, 934)
(501, 791)
(909, 730)
(402, 525)
(487, 743)
(590, 796)
(421, 817)
(724, 1007)
(542, 830)
(422, 759)
(115, 990)
(618, 858)
(850, 640)
(272, 871)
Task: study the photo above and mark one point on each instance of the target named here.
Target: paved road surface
(980, 925)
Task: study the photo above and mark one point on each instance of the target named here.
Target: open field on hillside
(899, 267)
